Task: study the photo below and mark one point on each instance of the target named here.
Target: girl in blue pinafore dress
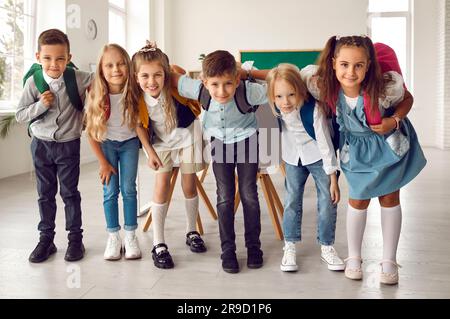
(378, 157)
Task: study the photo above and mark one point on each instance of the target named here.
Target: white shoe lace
(331, 256)
(289, 257)
(113, 242)
(131, 242)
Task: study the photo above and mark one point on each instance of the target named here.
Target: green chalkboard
(270, 59)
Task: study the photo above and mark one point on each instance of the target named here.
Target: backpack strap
(307, 116)
(70, 81)
(204, 97)
(240, 97)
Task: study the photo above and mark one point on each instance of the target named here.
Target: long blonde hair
(98, 97)
(150, 53)
(291, 74)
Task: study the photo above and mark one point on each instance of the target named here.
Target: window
(17, 24)
(117, 22)
(390, 23)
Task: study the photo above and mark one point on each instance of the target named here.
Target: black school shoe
(162, 259)
(195, 242)
(75, 250)
(230, 263)
(43, 250)
(254, 258)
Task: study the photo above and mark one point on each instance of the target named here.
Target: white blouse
(298, 145)
(179, 137)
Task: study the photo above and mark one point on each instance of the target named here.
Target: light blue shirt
(225, 121)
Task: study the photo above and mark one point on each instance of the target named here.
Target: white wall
(202, 26)
(425, 70)
(85, 50)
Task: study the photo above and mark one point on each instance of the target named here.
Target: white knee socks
(356, 224)
(191, 205)
(391, 224)
(159, 213)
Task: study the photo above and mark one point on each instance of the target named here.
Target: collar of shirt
(55, 84)
(151, 101)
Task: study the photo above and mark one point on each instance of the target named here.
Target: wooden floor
(423, 249)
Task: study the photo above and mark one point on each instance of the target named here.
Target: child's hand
(387, 125)
(47, 98)
(153, 161)
(334, 190)
(106, 170)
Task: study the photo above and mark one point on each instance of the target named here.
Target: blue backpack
(307, 117)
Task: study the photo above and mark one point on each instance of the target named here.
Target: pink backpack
(388, 62)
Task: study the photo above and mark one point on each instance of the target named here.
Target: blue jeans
(296, 177)
(123, 156)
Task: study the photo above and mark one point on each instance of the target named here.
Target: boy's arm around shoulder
(30, 105)
(256, 93)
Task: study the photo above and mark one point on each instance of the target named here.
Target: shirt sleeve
(30, 105)
(395, 90)
(324, 142)
(256, 93)
(188, 87)
(308, 75)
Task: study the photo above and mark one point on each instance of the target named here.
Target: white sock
(191, 205)
(129, 233)
(391, 224)
(356, 224)
(159, 213)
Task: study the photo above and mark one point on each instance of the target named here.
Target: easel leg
(270, 205)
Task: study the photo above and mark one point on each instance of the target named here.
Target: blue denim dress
(373, 164)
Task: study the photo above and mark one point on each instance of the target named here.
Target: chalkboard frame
(267, 59)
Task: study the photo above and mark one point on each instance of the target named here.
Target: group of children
(351, 101)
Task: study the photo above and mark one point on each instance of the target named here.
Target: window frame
(123, 12)
(398, 14)
(8, 107)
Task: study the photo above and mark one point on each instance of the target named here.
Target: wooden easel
(201, 192)
(272, 199)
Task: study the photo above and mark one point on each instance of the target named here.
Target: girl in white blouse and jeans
(304, 154)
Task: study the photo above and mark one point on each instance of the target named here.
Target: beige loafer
(353, 273)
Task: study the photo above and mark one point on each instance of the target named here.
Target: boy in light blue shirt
(230, 123)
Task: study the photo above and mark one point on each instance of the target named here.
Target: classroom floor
(423, 249)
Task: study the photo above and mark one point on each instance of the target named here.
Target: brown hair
(150, 53)
(373, 84)
(53, 36)
(291, 74)
(219, 63)
(97, 97)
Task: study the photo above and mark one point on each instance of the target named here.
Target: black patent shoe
(75, 251)
(162, 259)
(43, 250)
(195, 242)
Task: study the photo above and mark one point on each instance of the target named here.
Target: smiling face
(285, 96)
(222, 88)
(151, 78)
(54, 59)
(351, 65)
(115, 70)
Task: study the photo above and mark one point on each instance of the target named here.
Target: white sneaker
(331, 258)
(289, 261)
(132, 250)
(113, 247)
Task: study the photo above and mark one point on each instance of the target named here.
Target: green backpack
(42, 86)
